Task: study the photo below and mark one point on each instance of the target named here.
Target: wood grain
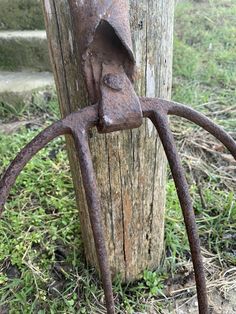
(130, 165)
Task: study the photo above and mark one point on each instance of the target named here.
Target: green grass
(205, 56)
(42, 268)
(204, 67)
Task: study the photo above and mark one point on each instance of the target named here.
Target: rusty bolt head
(114, 81)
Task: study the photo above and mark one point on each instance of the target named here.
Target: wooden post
(130, 165)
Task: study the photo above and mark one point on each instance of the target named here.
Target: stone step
(20, 89)
(21, 50)
(21, 15)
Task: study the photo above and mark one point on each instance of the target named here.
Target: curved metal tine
(16, 166)
(208, 125)
(93, 201)
(174, 108)
(160, 121)
(84, 119)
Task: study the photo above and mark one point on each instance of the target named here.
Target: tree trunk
(130, 165)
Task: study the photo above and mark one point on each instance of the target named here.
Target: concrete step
(21, 14)
(21, 50)
(20, 89)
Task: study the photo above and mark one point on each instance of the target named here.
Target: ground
(42, 269)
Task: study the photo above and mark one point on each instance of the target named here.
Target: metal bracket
(108, 62)
(119, 107)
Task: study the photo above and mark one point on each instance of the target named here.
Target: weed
(153, 281)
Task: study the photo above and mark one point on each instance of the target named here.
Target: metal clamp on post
(108, 61)
(119, 105)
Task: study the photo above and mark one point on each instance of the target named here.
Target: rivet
(114, 81)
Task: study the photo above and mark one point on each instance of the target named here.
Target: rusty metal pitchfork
(108, 62)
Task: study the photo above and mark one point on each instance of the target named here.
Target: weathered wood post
(130, 165)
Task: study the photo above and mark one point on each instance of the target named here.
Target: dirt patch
(221, 285)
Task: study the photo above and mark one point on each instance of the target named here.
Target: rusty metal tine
(174, 108)
(201, 120)
(160, 121)
(42, 139)
(93, 201)
(78, 124)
